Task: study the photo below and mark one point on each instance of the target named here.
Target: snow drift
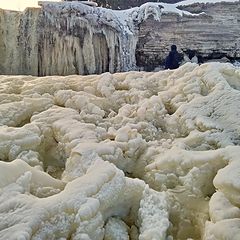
(121, 156)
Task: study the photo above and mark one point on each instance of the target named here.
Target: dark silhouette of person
(173, 59)
(192, 56)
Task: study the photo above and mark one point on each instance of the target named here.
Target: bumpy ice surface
(121, 156)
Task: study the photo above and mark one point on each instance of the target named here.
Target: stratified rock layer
(213, 34)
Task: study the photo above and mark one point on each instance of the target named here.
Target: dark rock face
(214, 34)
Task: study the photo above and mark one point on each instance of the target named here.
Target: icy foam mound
(121, 156)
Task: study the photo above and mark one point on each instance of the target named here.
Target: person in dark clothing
(173, 59)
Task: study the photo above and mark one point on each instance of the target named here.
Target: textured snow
(132, 155)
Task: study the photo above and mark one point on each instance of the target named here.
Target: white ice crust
(124, 19)
(121, 156)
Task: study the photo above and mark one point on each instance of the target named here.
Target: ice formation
(121, 156)
(64, 38)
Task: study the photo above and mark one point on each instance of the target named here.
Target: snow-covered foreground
(121, 156)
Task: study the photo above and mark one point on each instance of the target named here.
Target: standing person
(173, 59)
(192, 56)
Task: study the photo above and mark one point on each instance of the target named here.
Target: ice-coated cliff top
(124, 18)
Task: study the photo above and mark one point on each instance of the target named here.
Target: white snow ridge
(137, 155)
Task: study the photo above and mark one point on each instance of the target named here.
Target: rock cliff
(63, 39)
(72, 38)
(19, 42)
(213, 33)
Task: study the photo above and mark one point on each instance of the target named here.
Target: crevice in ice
(26, 121)
(170, 109)
(187, 215)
